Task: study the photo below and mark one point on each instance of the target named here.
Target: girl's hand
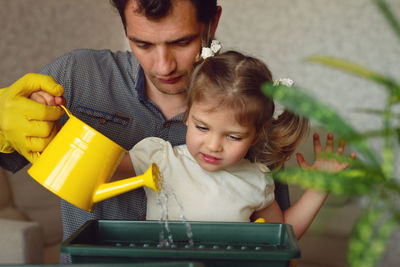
(321, 163)
(45, 98)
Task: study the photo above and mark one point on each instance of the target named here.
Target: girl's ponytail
(280, 139)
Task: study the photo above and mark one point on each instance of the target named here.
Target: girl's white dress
(232, 194)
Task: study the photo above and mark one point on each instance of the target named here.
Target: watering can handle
(69, 115)
(66, 110)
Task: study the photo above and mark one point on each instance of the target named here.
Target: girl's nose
(214, 144)
(165, 61)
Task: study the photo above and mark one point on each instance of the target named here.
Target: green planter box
(215, 243)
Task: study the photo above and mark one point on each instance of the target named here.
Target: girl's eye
(201, 128)
(234, 138)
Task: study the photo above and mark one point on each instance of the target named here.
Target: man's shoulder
(83, 63)
(120, 56)
(91, 57)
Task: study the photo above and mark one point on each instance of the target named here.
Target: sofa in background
(30, 221)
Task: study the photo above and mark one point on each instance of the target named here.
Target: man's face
(165, 48)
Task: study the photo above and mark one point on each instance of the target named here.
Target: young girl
(221, 173)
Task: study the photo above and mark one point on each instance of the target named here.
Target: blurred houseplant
(369, 176)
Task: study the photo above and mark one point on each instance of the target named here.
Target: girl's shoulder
(153, 141)
(150, 150)
(245, 168)
(247, 165)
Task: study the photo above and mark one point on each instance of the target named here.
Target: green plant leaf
(398, 134)
(346, 182)
(388, 153)
(350, 67)
(369, 238)
(375, 133)
(377, 112)
(304, 105)
(389, 16)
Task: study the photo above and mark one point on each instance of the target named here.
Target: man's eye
(183, 43)
(201, 128)
(142, 45)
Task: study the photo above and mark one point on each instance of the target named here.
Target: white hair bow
(214, 48)
(279, 109)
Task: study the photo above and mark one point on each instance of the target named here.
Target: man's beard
(178, 90)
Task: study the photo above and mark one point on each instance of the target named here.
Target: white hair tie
(279, 109)
(211, 51)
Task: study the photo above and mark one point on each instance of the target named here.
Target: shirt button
(167, 124)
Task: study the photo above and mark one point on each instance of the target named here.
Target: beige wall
(34, 32)
(286, 32)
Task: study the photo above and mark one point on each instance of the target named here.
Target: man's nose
(165, 61)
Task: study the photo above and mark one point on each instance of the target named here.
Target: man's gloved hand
(25, 125)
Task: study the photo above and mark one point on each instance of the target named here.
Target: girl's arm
(124, 170)
(271, 214)
(301, 214)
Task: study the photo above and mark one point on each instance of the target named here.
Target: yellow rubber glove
(25, 125)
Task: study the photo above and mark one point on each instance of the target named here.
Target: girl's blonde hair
(233, 81)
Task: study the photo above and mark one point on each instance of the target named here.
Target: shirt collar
(141, 91)
(141, 85)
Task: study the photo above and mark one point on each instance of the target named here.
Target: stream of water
(166, 238)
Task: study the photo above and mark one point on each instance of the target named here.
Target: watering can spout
(150, 179)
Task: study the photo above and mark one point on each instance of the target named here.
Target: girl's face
(214, 137)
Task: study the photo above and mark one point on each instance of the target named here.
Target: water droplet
(201, 246)
(132, 245)
(229, 247)
(258, 248)
(118, 244)
(243, 247)
(146, 245)
(215, 247)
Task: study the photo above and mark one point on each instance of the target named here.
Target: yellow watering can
(79, 161)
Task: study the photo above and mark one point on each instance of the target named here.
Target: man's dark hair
(156, 9)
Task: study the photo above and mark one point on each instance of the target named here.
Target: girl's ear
(260, 133)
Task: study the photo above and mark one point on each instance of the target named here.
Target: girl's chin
(210, 167)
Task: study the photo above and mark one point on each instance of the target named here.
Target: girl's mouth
(210, 159)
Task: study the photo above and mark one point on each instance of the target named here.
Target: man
(125, 96)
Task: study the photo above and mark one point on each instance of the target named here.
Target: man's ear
(260, 133)
(214, 22)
